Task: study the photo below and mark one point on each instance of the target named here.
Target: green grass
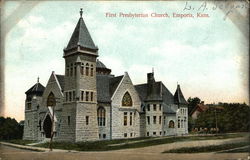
(131, 143)
(211, 148)
(239, 150)
(20, 141)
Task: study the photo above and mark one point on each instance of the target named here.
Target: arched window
(87, 69)
(126, 100)
(171, 124)
(82, 69)
(91, 70)
(71, 69)
(51, 100)
(101, 116)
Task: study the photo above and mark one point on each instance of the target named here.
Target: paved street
(10, 153)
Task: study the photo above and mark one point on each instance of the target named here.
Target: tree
(232, 117)
(10, 129)
(192, 102)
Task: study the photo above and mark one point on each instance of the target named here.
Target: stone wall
(119, 130)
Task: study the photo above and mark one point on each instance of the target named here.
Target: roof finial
(81, 12)
(38, 79)
(152, 69)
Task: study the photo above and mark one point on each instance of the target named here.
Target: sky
(208, 56)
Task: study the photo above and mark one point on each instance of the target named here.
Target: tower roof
(37, 88)
(81, 36)
(178, 96)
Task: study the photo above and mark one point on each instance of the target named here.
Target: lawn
(211, 148)
(132, 143)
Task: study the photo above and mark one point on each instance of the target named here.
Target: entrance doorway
(47, 124)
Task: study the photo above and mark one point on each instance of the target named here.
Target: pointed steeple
(178, 96)
(81, 37)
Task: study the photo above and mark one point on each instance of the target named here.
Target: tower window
(91, 96)
(68, 120)
(87, 120)
(82, 70)
(159, 119)
(29, 106)
(82, 94)
(70, 96)
(74, 95)
(91, 70)
(154, 107)
(67, 71)
(87, 69)
(71, 70)
(160, 107)
(148, 107)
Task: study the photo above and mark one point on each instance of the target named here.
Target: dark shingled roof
(168, 110)
(37, 88)
(113, 83)
(159, 92)
(99, 64)
(142, 91)
(106, 86)
(60, 79)
(81, 37)
(178, 96)
(102, 82)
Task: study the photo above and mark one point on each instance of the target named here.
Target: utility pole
(216, 120)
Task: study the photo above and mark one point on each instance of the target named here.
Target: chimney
(151, 78)
(150, 84)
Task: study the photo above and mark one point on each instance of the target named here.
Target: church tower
(79, 115)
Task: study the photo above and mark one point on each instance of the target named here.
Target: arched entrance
(47, 125)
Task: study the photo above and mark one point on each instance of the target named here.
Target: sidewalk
(32, 148)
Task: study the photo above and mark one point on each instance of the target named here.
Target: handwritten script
(228, 7)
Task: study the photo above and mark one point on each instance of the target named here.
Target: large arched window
(126, 100)
(51, 100)
(171, 124)
(101, 116)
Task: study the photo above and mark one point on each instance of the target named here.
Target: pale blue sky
(207, 56)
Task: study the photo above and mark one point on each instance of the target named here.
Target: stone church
(89, 103)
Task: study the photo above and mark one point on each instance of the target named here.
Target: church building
(89, 103)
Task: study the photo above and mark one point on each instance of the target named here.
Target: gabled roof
(159, 92)
(81, 37)
(102, 85)
(200, 108)
(178, 96)
(113, 83)
(37, 88)
(142, 91)
(60, 79)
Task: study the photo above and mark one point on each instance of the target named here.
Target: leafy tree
(192, 102)
(10, 129)
(232, 117)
